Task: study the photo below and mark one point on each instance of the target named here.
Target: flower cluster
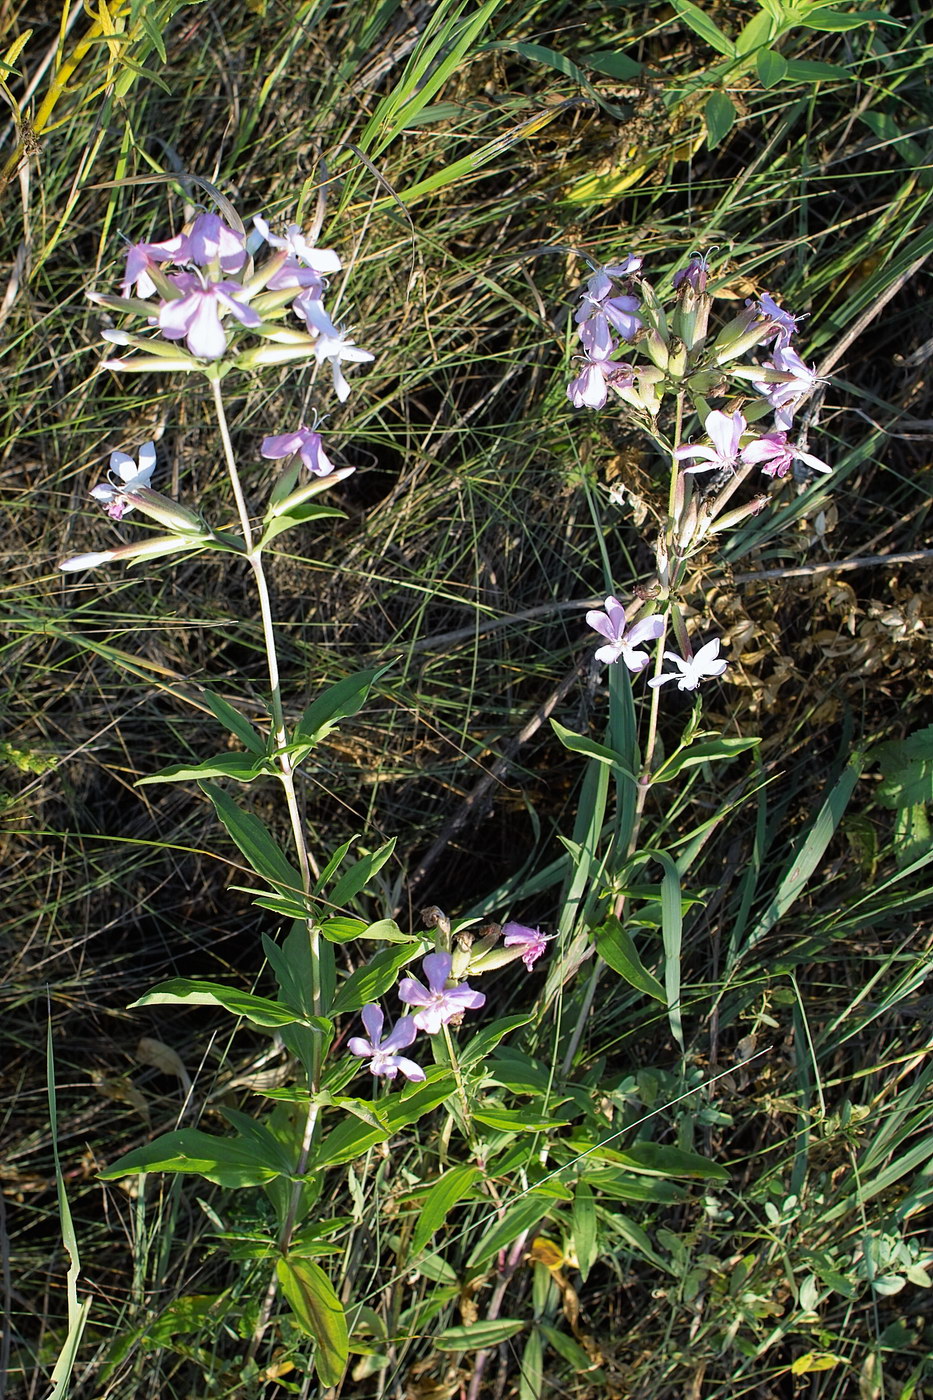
(670, 351)
(200, 291)
(207, 291)
(680, 356)
(441, 1000)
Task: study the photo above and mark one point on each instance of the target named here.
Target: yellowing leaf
(319, 1313)
(815, 1361)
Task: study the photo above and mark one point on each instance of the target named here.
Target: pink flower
(590, 388)
(785, 397)
(694, 274)
(304, 442)
(209, 240)
(532, 940)
(594, 319)
(785, 325)
(600, 283)
(439, 1005)
(775, 455)
(690, 672)
(725, 430)
(381, 1054)
(195, 316)
(623, 641)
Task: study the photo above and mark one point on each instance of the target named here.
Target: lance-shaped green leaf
(261, 1011)
(359, 874)
(437, 1204)
(662, 1159)
(578, 743)
(337, 702)
(479, 1336)
(319, 1313)
(232, 1162)
(249, 834)
(706, 751)
(368, 983)
(231, 719)
(242, 767)
(298, 515)
(614, 945)
(288, 504)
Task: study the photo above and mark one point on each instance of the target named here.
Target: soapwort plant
(213, 300)
(702, 394)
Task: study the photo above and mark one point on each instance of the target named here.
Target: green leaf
(911, 835)
(614, 65)
(187, 991)
(585, 1227)
(227, 1161)
(437, 1204)
(339, 930)
(360, 874)
(835, 22)
(701, 24)
(660, 1159)
(517, 1120)
(758, 31)
(369, 983)
(319, 1313)
(255, 843)
(706, 751)
(232, 719)
(795, 876)
(624, 1186)
(523, 1215)
(570, 1350)
(804, 70)
(614, 945)
(487, 1039)
(243, 767)
(478, 1336)
(576, 743)
(531, 1378)
(720, 117)
(906, 770)
(300, 515)
(351, 1139)
(771, 67)
(337, 702)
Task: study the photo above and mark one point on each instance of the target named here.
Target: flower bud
(735, 517)
(304, 493)
(164, 509)
(742, 333)
(152, 364)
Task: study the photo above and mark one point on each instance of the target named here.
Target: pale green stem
(306, 862)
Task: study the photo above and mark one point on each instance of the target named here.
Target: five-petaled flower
(623, 642)
(531, 940)
(725, 431)
(195, 315)
(383, 1054)
(306, 443)
(690, 672)
(439, 1004)
(125, 476)
(331, 344)
(775, 455)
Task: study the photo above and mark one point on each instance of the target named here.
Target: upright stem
(306, 863)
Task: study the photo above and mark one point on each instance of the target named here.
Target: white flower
(125, 475)
(705, 664)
